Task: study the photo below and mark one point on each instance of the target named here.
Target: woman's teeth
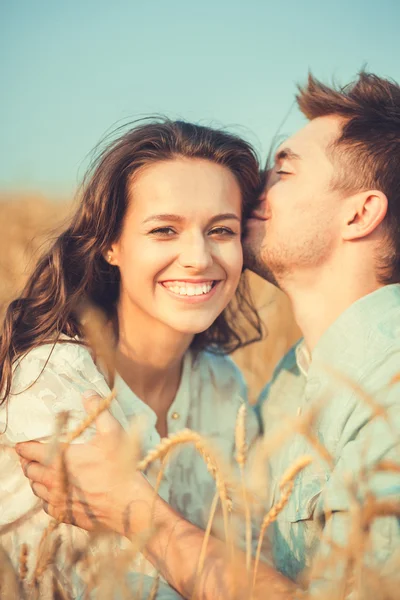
(189, 289)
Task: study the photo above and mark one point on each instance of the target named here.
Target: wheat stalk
(23, 562)
(187, 436)
(44, 554)
(240, 435)
(241, 457)
(87, 422)
(286, 486)
(154, 588)
(376, 408)
(98, 334)
(203, 549)
(58, 589)
(387, 465)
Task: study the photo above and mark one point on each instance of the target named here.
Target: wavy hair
(74, 269)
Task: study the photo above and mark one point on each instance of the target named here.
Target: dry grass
(24, 226)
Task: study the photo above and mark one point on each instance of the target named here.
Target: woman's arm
(103, 492)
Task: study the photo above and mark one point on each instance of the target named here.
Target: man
(327, 232)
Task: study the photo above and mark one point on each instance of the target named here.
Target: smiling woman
(188, 238)
(156, 244)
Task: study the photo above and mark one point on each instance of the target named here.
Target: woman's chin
(193, 327)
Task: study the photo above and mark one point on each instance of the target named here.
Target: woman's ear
(110, 256)
(366, 212)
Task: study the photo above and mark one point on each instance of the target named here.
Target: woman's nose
(196, 254)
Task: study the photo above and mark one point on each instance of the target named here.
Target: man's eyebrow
(286, 153)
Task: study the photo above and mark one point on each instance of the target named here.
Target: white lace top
(207, 401)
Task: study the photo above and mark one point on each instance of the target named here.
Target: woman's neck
(150, 358)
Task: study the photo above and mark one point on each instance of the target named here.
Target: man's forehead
(314, 137)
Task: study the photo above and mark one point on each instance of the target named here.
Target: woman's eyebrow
(165, 217)
(179, 219)
(224, 217)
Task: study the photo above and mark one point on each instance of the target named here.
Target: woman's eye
(222, 231)
(163, 231)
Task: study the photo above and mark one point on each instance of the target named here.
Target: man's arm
(175, 552)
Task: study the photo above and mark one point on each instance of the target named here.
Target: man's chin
(253, 261)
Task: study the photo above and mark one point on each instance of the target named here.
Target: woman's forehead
(182, 186)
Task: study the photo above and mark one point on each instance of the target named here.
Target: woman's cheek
(233, 261)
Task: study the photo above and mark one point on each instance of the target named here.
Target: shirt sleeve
(369, 456)
(46, 382)
(44, 385)
(358, 503)
(343, 544)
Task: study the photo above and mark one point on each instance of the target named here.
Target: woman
(156, 245)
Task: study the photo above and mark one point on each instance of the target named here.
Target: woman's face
(180, 252)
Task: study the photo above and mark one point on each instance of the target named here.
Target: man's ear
(366, 212)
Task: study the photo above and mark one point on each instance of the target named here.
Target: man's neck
(318, 299)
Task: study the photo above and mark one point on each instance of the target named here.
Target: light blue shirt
(350, 382)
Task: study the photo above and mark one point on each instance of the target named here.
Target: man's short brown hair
(367, 153)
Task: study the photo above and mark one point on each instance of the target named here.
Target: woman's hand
(90, 485)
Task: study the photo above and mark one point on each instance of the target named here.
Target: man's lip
(259, 216)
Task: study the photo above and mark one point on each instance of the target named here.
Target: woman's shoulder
(65, 357)
(48, 380)
(65, 348)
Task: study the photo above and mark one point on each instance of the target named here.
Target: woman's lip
(209, 280)
(192, 299)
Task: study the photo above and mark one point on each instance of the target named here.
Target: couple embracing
(167, 214)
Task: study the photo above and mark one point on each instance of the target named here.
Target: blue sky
(72, 70)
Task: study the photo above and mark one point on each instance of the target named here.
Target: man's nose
(196, 253)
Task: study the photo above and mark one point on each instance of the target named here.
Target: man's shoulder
(286, 369)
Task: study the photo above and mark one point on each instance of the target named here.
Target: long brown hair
(74, 268)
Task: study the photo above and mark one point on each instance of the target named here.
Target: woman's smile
(191, 291)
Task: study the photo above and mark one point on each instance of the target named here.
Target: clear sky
(72, 69)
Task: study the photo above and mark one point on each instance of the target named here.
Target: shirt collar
(303, 358)
(354, 327)
(360, 330)
(132, 405)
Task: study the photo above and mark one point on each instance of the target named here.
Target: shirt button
(175, 416)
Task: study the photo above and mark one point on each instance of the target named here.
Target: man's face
(297, 225)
